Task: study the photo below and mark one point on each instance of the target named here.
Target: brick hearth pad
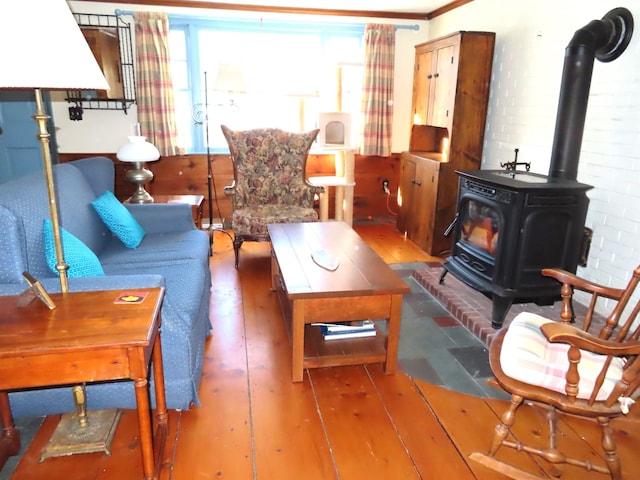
(472, 308)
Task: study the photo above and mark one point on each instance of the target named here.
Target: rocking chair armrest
(563, 333)
(583, 284)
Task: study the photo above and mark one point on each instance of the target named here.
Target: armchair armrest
(163, 217)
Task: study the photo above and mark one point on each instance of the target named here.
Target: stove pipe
(605, 40)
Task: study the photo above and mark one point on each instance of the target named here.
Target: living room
(526, 77)
(523, 103)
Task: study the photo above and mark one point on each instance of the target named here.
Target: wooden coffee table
(362, 287)
(86, 338)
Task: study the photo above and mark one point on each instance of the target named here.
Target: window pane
(273, 79)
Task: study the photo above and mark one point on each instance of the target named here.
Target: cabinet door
(407, 184)
(441, 106)
(424, 204)
(422, 80)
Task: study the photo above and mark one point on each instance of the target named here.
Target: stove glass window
(480, 226)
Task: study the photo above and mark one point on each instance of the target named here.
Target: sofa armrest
(163, 217)
(87, 284)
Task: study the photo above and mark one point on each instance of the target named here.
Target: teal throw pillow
(118, 219)
(81, 260)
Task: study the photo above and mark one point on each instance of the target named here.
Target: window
(261, 74)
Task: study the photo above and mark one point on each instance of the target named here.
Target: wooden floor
(339, 423)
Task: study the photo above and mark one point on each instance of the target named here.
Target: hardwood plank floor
(339, 423)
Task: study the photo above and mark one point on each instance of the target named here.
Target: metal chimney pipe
(605, 40)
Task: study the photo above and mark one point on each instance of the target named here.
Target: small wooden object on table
(361, 287)
(88, 337)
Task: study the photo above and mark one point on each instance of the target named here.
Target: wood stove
(511, 224)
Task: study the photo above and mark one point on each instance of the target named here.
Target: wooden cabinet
(449, 107)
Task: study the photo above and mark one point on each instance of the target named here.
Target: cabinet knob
(429, 76)
(436, 75)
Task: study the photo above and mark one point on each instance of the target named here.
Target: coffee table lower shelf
(318, 352)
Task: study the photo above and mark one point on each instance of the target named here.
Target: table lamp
(138, 151)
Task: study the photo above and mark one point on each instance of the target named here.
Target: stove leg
(501, 306)
(442, 275)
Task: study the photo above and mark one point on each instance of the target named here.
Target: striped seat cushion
(529, 357)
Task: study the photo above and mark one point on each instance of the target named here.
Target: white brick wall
(530, 40)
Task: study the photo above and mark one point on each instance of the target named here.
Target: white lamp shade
(43, 47)
(229, 79)
(137, 149)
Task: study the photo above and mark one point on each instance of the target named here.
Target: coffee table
(86, 338)
(362, 287)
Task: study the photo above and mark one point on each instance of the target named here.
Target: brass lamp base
(71, 438)
(139, 175)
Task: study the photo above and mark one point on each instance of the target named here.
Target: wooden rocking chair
(587, 375)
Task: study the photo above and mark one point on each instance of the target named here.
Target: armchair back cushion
(270, 166)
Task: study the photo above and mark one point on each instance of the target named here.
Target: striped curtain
(154, 87)
(377, 89)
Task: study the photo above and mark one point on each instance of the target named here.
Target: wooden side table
(88, 337)
(195, 201)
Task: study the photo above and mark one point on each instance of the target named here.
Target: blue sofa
(173, 254)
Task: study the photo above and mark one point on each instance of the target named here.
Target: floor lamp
(47, 52)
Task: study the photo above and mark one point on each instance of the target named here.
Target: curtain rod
(415, 26)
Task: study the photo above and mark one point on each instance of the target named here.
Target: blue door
(20, 151)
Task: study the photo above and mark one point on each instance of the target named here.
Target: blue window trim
(191, 25)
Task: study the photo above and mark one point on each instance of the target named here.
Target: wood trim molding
(447, 8)
(292, 10)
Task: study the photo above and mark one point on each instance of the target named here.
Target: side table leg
(393, 334)
(324, 204)
(10, 440)
(144, 426)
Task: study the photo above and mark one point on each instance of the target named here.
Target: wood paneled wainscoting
(187, 174)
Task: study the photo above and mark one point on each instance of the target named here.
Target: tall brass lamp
(44, 49)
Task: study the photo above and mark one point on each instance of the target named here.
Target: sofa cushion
(81, 260)
(158, 247)
(118, 219)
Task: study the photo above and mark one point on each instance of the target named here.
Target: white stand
(343, 182)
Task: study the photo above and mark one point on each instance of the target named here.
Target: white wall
(104, 131)
(530, 43)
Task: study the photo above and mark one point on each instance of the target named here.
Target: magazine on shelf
(362, 325)
(339, 335)
(337, 331)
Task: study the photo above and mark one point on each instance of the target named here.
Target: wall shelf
(109, 37)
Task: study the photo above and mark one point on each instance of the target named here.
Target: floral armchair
(270, 184)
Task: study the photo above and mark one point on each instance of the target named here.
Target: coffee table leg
(274, 271)
(393, 334)
(297, 334)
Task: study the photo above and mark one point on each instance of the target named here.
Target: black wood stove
(510, 224)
